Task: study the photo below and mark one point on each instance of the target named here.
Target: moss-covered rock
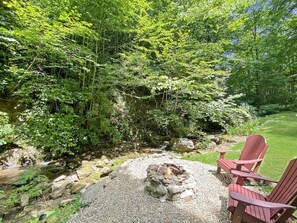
(184, 145)
(77, 187)
(100, 163)
(60, 188)
(85, 170)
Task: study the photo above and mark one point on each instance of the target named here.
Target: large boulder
(184, 145)
(89, 195)
(93, 178)
(73, 178)
(60, 178)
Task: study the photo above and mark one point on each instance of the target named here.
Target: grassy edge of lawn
(280, 132)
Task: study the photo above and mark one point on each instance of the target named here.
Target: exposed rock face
(184, 145)
(169, 182)
(18, 157)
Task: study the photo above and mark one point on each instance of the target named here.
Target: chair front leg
(238, 213)
(218, 170)
(285, 216)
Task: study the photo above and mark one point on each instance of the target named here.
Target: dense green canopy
(95, 71)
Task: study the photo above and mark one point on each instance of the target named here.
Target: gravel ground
(121, 198)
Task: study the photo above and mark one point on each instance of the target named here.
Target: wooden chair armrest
(251, 175)
(242, 162)
(222, 152)
(225, 151)
(259, 203)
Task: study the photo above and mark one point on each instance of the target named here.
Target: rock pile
(168, 181)
(88, 173)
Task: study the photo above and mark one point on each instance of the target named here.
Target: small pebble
(42, 217)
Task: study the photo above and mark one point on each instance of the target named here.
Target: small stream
(8, 177)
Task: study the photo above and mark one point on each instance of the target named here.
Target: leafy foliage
(53, 76)
(90, 72)
(245, 129)
(178, 75)
(270, 109)
(31, 183)
(263, 53)
(6, 129)
(61, 214)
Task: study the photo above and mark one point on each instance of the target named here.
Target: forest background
(76, 75)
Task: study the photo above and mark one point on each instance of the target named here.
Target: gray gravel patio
(121, 197)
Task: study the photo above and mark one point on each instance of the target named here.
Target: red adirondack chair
(250, 158)
(251, 207)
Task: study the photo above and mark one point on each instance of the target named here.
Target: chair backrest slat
(286, 189)
(254, 148)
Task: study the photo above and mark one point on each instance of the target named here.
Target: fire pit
(168, 181)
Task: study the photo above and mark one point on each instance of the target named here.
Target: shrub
(31, 182)
(271, 109)
(60, 214)
(55, 132)
(217, 115)
(244, 129)
(6, 129)
(164, 123)
(188, 118)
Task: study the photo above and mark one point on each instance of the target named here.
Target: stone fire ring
(168, 181)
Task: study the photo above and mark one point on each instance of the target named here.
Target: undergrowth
(60, 214)
(30, 183)
(246, 128)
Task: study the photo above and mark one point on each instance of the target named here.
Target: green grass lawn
(280, 132)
